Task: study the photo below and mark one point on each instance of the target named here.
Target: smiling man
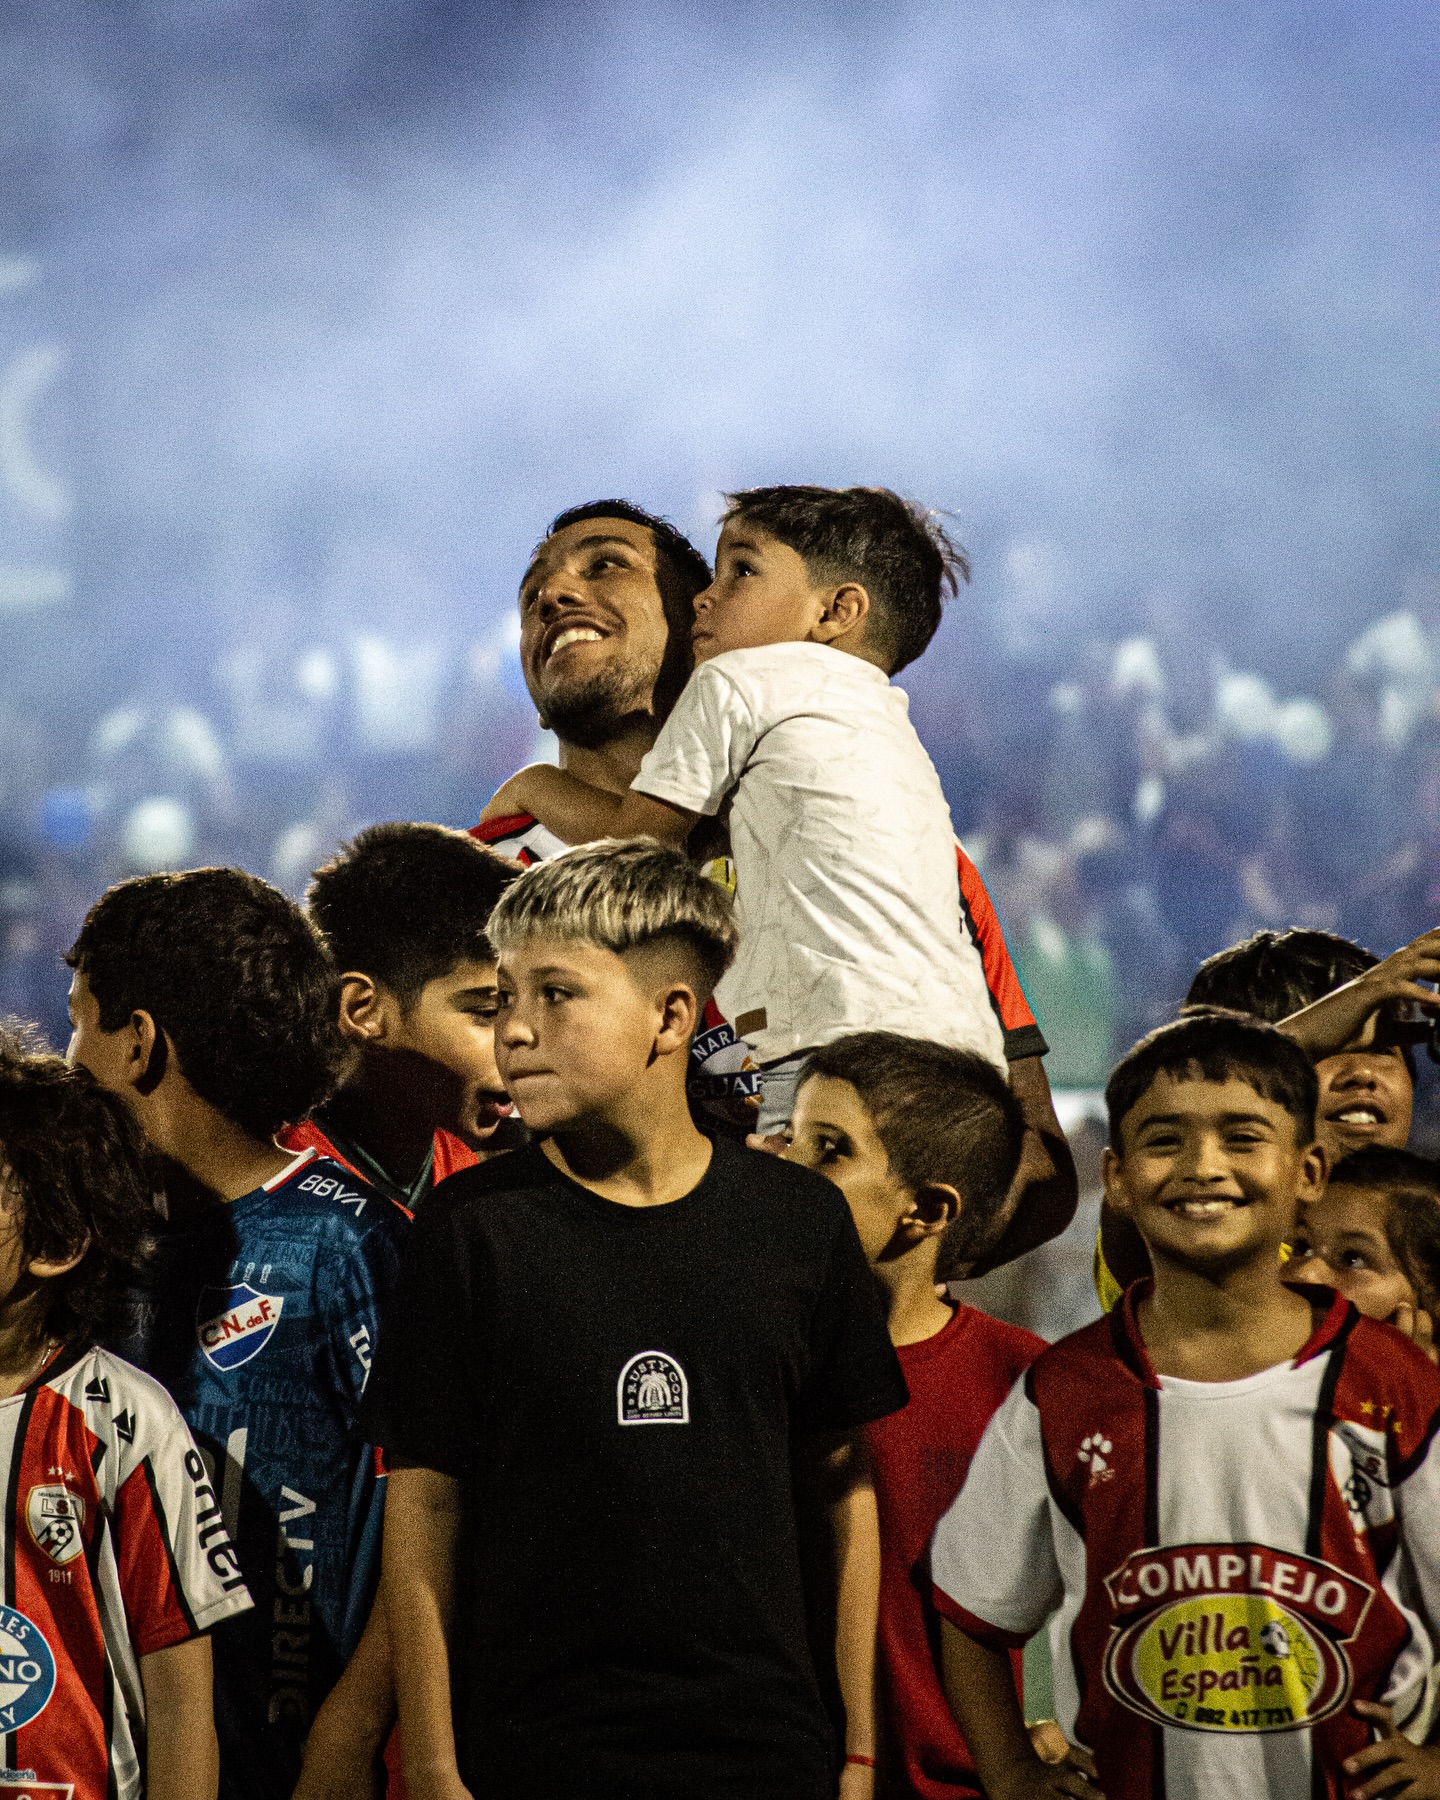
(606, 610)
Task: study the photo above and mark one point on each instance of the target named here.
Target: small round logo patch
(652, 1390)
(27, 1670)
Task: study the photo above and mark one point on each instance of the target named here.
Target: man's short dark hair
(688, 568)
(76, 1160)
(1217, 1046)
(405, 904)
(899, 553)
(942, 1115)
(234, 975)
(1411, 1186)
(1276, 973)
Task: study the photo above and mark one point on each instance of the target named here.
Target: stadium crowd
(500, 1328)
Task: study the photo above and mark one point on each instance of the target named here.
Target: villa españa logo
(652, 1390)
(236, 1323)
(1232, 1637)
(27, 1670)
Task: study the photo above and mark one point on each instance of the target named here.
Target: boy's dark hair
(234, 975)
(76, 1165)
(1217, 1046)
(942, 1115)
(899, 553)
(688, 569)
(1411, 1185)
(1275, 973)
(406, 904)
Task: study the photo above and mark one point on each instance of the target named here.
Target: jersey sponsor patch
(235, 1324)
(1232, 1637)
(652, 1390)
(27, 1670)
(56, 1518)
(20, 1784)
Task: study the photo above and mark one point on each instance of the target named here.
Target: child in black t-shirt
(623, 1378)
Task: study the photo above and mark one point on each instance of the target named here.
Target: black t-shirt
(619, 1390)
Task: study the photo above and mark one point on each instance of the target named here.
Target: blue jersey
(260, 1318)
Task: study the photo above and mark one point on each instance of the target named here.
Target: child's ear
(679, 1016)
(1314, 1173)
(934, 1209)
(1115, 1194)
(845, 610)
(365, 1009)
(48, 1267)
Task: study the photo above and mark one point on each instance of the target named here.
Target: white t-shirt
(844, 852)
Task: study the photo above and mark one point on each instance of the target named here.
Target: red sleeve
(491, 831)
(1023, 1037)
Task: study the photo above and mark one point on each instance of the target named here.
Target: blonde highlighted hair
(620, 894)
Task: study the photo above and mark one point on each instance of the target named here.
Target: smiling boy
(1228, 1489)
(609, 1355)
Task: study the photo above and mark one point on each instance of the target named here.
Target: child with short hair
(845, 854)
(206, 1001)
(1229, 1489)
(923, 1142)
(610, 1355)
(403, 910)
(117, 1566)
(1374, 1236)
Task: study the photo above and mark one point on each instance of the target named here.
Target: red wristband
(865, 1762)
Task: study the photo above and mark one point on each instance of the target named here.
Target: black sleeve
(423, 1399)
(854, 1374)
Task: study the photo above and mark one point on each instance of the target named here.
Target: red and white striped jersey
(1230, 1563)
(112, 1547)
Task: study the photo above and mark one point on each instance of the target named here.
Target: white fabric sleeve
(703, 746)
(1413, 1579)
(993, 1553)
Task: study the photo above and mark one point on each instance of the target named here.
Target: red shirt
(920, 1456)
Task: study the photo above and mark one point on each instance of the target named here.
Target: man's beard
(589, 711)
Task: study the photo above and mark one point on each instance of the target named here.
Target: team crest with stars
(56, 1518)
(652, 1390)
(235, 1324)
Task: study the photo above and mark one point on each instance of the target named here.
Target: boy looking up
(1374, 1236)
(403, 910)
(844, 852)
(1229, 1489)
(116, 1564)
(206, 1001)
(610, 1354)
(923, 1141)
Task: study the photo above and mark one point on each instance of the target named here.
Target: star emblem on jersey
(27, 1670)
(652, 1390)
(56, 1518)
(235, 1324)
(1094, 1452)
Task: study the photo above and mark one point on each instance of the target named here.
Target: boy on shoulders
(206, 1001)
(923, 1141)
(1229, 1489)
(403, 910)
(622, 1444)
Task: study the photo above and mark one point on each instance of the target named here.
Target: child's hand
(1402, 1769)
(774, 1145)
(1416, 1324)
(1328, 1025)
(1072, 1779)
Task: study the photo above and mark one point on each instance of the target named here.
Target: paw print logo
(1094, 1451)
